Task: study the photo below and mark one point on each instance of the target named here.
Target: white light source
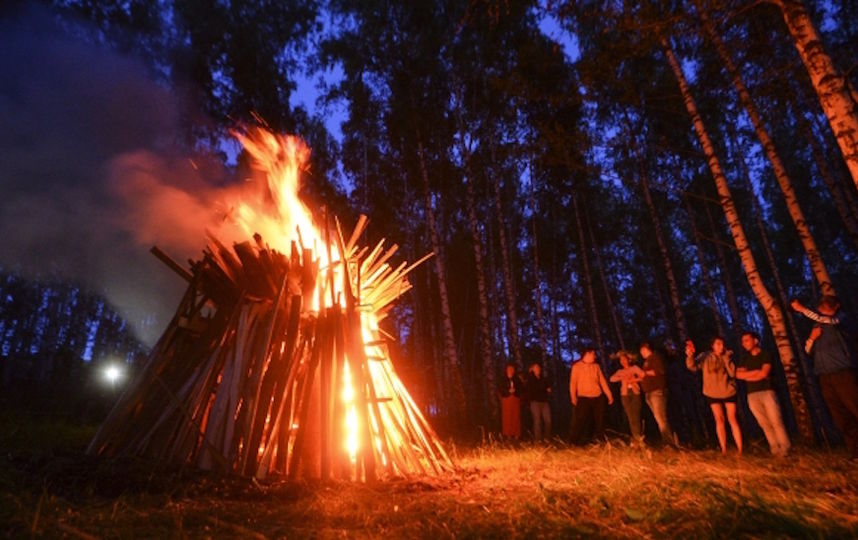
(112, 373)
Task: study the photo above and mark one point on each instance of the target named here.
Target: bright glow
(112, 374)
(279, 216)
(351, 420)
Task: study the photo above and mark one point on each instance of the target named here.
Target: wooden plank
(171, 264)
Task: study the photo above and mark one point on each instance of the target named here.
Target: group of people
(834, 364)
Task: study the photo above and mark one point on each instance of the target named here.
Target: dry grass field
(48, 488)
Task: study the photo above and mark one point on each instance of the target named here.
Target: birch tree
(773, 312)
(831, 86)
(820, 272)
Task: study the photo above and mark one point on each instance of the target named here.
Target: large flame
(285, 220)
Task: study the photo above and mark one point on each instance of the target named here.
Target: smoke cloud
(91, 175)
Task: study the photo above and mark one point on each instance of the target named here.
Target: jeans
(657, 402)
(541, 413)
(632, 406)
(766, 409)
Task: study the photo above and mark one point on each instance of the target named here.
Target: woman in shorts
(719, 387)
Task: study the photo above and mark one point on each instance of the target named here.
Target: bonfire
(274, 363)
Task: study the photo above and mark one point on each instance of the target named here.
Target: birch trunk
(846, 212)
(588, 281)
(488, 366)
(506, 268)
(704, 268)
(537, 289)
(673, 287)
(830, 85)
(817, 266)
(726, 277)
(456, 391)
(813, 396)
(773, 311)
(603, 278)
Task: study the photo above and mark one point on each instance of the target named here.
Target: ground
(48, 488)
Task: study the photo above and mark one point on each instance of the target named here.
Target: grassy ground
(49, 489)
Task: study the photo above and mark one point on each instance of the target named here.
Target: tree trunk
(603, 278)
(724, 270)
(817, 266)
(830, 85)
(773, 311)
(487, 354)
(537, 288)
(659, 295)
(704, 268)
(456, 391)
(813, 128)
(847, 214)
(680, 328)
(588, 281)
(506, 267)
(673, 287)
(812, 391)
(817, 128)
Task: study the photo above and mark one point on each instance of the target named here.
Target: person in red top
(511, 390)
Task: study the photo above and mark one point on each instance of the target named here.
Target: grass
(500, 491)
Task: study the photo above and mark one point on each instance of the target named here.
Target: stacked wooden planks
(250, 375)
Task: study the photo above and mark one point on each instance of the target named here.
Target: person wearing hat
(630, 376)
(511, 390)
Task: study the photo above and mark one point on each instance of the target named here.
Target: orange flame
(286, 219)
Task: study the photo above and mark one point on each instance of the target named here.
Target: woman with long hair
(719, 386)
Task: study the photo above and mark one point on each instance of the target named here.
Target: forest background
(586, 173)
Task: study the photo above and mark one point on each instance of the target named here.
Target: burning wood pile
(274, 363)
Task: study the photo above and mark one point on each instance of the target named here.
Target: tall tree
(778, 167)
(453, 382)
(773, 312)
(486, 349)
(506, 257)
(831, 86)
(704, 267)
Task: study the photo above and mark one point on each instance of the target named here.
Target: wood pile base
(251, 378)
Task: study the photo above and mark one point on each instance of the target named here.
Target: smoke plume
(91, 174)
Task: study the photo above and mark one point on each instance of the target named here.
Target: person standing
(654, 387)
(756, 372)
(719, 387)
(538, 392)
(630, 376)
(510, 390)
(588, 390)
(834, 365)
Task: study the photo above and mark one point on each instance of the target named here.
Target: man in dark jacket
(538, 392)
(834, 365)
(654, 386)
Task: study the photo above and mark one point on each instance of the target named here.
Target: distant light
(112, 374)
